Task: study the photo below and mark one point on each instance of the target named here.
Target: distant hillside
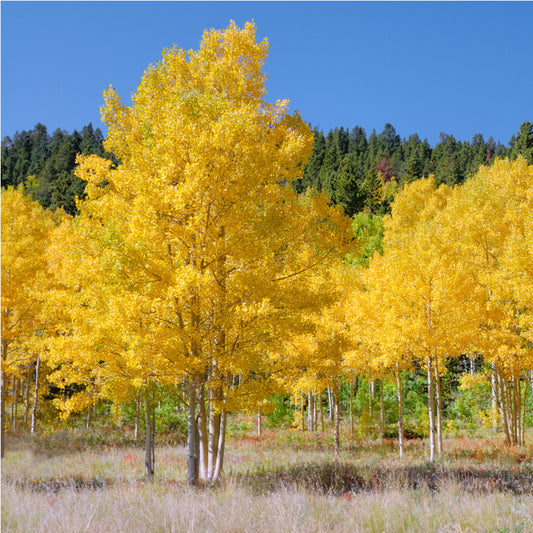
(360, 172)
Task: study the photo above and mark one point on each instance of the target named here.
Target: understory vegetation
(285, 480)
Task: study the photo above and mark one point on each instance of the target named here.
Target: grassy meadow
(285, 481)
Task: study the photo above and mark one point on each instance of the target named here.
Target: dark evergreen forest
(360, 172)
(45, 163)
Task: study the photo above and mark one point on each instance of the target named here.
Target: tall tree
(26, 231)
(522, 143)
(202, 230)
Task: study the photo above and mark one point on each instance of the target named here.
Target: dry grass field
(286, 481)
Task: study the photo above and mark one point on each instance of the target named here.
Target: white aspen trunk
(148, 442)
(313, 411)
(336, 422)
(35, 396)
(192, 448)
(27, 396)
(351, 410)
(371, 390)
(510, 411)
(137, 416)
(202, 435)
(221, 445)
(214, 433)
(330, 404)
(14, 405)
(381, 408)
(302, 411)
(310, 410)
(5, 345)
(517, 409)
(494, 399)
(503, 401)
(88, 417)
(523, 422)
(431, 411)
(259, 424)
(438, 409)
(321, 406)
(400, 410)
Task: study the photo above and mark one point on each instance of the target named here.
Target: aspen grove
(193, 266)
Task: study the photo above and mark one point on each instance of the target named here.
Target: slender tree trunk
(302, 411)
(503, 401)
(381, 408)
(149, 441)
(351, 410)
(192, 447)
(494, 399)
(202, 435)
(523, 423)
(400, 409)
(372, 391)
(315, 410)
(221, 445)
(35, 395)
(310, 411)
(438, 408)
(5, 345)
(321, 412)
(431, 411)
(336, 411)
(259, 424)
(510, 402)
(214, 433)
(137, 416)
(330, 404)
(27, 396)
(517, 409)
(14, 405)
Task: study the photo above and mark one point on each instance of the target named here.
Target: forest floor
(285, 481)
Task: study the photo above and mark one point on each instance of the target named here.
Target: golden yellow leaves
(455, 266)
(194, 258)
(26, 231)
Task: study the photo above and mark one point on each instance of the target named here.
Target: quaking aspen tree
(379, 346)
(316, 352)
(426, 295)
(489, 219)
(206, 246)
(26, 229)
(102, 341)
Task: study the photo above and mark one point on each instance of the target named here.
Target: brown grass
(285, 482)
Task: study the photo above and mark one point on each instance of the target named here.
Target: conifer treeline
(360, 172)
(45, 164)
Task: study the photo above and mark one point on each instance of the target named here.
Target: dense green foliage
(360, 173)
(45, 164)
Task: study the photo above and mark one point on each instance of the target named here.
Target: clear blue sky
(458, 67)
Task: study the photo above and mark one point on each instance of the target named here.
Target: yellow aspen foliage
(194, 258)
(418, 293)
(490, 219)
(26, 229)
